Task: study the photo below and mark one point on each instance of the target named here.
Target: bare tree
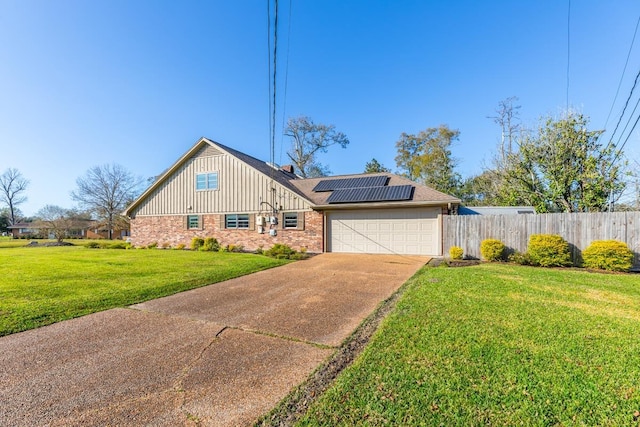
(106, 191)
(508, 118)
(308, 139)
(12, 186)
(57, 221)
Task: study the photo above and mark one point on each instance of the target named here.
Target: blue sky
(134, 82)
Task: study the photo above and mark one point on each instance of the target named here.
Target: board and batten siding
(240, 189)
(578, 229)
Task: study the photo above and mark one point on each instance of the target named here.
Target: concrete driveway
(223, 354)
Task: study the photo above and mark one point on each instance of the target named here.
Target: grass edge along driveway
(498, 344)
(44, 285)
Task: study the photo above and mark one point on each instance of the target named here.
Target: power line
(275, 61)
(568, 49)
(635, 82)
(625, 141)
(286, 81)
(615, 98)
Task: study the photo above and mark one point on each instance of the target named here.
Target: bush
(281, 251)
(119, 245)
(456, 252)
(520, 258)
(152, 245)
(197, 243)
(492, 249)
(548, 250)
(92, 245)
(210, 244)
(610, 255)
(180, 246)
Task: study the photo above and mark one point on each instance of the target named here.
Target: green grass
(498, 344)
(43, 285)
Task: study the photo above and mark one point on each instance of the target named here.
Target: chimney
(287, 168)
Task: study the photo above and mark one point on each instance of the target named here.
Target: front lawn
(498, 344)
(43, 285)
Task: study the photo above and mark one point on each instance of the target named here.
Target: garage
(413, 231)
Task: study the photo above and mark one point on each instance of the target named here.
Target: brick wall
(171, 230)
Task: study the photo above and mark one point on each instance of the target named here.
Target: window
(290, 220)
(193, 222)
(237, 221)
(207, 181)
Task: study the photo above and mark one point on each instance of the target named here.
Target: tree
(508, 118)
(374, 167)
(57, 221)
(426, 157)
(106, 191)
(5, 220)
(563, 168)
(12, 188)
(307, 140)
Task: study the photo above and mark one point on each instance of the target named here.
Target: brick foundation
(170, 230)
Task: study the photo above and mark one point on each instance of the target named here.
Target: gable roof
(420, 195)
(278, 175)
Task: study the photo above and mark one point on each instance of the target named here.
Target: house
(496, 210)
(25, 230)
(216, 191)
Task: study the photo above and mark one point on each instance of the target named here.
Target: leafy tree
(58, 221)
(5, 220)
(106, 191)
(308, 139)
(12, 188)
(426, 157)
(375, 167)
(481, 190)
(563, 167)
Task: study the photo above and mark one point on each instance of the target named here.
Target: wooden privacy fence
(578, 229)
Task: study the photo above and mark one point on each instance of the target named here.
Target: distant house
(84, 229)
(496, 210)
(216, 191)
(24, 230)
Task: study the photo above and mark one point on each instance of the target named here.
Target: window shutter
(300, 221)
(201, 222)
(281, 221)
(185, 223)
(252, 221)
(221, 222)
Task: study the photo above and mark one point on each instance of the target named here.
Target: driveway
(223, 354)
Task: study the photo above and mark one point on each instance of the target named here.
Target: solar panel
(343, 183)
(372, 194)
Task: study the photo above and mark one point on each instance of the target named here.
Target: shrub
(234, 248)
(210, 244)
(260, 250)
(548, 250)
(492, 249)
(152, 245)
(166, 245)
(197, 243)
(180, 246)
(92, 245)
(281, 251)
(610, 255)
(456, 252)
(119, 245)
(520, 258)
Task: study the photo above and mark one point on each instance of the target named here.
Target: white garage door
(400, 231)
